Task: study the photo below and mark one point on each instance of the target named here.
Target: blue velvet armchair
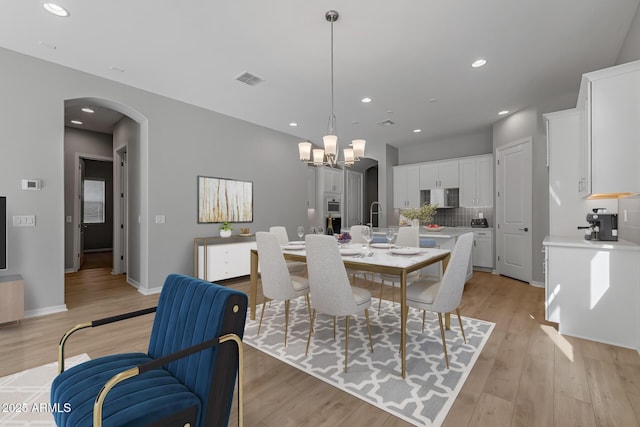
(187, 377)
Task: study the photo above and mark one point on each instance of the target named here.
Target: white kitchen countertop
(576, 242)
(445, 233)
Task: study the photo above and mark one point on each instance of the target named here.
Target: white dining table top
(377, 256)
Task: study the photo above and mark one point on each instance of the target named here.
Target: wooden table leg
(447, 316)
(253, 289)
(403, 323)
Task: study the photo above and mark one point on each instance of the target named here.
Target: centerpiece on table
(344, 238)
(422, 215)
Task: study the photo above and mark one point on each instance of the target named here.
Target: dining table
(374, 258)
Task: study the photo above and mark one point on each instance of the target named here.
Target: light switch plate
(24, 221)
(160, 219)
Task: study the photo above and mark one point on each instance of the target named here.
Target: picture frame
(224, 199)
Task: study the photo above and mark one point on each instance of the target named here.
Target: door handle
(524, 229)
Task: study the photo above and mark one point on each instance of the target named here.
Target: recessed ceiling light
(503, 112)
(48, 45)
(88, 110)
(366, 100)
(56, 9)
(479, 63)
(417, 130)
(76, 122)
(118, 69)
(293, 124)
(433, 100)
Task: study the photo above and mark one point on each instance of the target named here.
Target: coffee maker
(602, 226)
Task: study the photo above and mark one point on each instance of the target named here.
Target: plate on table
(291, 247)
(350, 251)
(382, 245)
(297, 242)
(405, 251)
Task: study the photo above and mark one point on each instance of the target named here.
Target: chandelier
(329, 156)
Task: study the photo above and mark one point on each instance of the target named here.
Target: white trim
(150, 291)
(133, 283)
(44, 311)
(536, 284)
(70, 270)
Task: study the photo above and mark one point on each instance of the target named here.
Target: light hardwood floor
(527, 374)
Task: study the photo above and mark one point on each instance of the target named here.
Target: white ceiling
(402, 54)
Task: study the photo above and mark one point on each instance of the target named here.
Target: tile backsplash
(630, 229)
(461, 217)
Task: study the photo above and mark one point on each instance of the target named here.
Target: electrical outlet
(160, 219)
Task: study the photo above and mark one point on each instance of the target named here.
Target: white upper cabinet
(610, 150)
(330, 180)
(439, 175)
(406, 190)
(476, 181)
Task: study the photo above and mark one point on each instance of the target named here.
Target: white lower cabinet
(593, 292)
(482, 253)
(224, 261)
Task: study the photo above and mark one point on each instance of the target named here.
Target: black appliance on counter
(602, 226)
(479, 223)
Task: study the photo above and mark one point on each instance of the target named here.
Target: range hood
(443, 197)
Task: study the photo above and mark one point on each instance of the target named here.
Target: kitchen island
(444, 239)
(592, 289)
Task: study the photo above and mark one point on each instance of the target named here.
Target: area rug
(427, 393)
(24, 396)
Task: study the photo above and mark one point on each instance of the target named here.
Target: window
(94, 195)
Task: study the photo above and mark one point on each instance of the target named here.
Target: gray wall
(469, 144)
(178, 142)
(631, 48)
(77, 141)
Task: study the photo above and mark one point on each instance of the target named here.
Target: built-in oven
(332, 206)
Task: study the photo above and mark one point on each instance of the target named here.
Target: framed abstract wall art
(221, 199)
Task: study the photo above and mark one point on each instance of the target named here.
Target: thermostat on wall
(31, 184)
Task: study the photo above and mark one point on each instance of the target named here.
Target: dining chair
(331, 292)
(444, 296)
(407, 237)
(295, 267)
(277, 282)
(356, 238)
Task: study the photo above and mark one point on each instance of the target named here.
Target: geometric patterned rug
(427, 393)
(24, 396)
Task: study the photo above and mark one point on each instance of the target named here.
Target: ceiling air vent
(386, 123)
(249, 79)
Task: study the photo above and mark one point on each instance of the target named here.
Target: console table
(11, 298)
(220, 258)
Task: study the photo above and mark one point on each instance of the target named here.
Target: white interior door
(354, 198)
(513, 209)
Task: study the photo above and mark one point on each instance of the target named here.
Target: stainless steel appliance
(332, 205)
(479, 223)
(602, 226)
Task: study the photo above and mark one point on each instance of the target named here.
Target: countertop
(445, 233)
(575, 242)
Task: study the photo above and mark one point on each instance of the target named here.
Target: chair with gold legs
(407, 237)
(331, 292)
(277, 283)
(187, 377)
(444, 296)
(295, 267)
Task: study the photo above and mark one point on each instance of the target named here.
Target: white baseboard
(150, 291)
(70, 270)
(44, 311)
(536, 284)
(133, 283)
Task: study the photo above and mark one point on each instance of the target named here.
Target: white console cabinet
(215, 259)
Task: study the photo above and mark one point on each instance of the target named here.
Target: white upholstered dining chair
(356, 238)
(331, 292)
(277, 283)
(444, 296)
(295, 267)
(407, 237)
